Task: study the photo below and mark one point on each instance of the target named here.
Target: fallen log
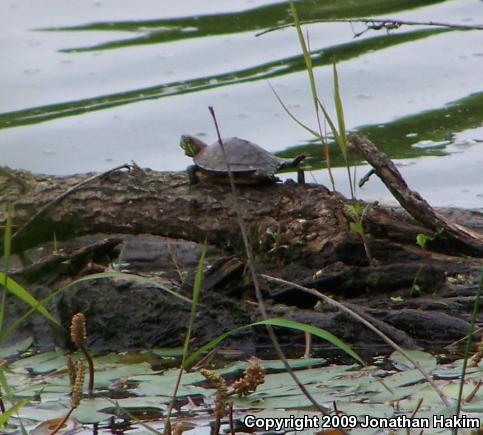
(290, 221)
(302, 220)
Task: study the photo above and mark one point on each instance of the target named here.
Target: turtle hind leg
(300, 176)
(292, 163)
(192, 176)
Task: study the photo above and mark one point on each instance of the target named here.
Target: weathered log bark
(294, 221)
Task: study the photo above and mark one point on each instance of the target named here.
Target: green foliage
(17, 290)
(104, 275)
(357, 228)
(12, 286)
(11, 411)
(7, 393)
(356, 214)
(422, 239)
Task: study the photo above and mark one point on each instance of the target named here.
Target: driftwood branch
(467, 240)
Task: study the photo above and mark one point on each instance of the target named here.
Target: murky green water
(89, 85)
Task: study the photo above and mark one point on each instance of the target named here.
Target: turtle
(249, 162)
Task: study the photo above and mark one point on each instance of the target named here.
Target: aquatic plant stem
(6, 262)
(254, 276)
(230, 416)
(90, 367)
(63, 421)
(469, 341)
(194, 304)
(167, 425)
(361, 319)
(78, 336)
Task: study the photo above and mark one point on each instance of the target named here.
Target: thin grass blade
(206, 347)
(322, 333)
(102, 275)
(128, 277)
(16, 289)
(7, 394)
(313, 87)
(292, 116)
(331, 123)
(285, 323)
(13, 410)
(7, 241)
(195, 299)
(306, 53)
(340, 114)
(342, 139)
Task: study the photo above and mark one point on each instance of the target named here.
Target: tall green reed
(338, 132)
(313, 87)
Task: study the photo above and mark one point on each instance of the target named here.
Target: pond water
(89, 85)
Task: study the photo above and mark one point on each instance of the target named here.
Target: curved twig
(379, 23)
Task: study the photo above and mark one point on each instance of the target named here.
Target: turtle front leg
(193, 177)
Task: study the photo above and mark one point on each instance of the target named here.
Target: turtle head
(191, 145)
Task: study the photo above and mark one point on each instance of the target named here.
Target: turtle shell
(245, 159)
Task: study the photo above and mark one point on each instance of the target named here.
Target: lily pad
(426, 360)
(103, 378)
(42, 363)
(16, 348)
(362, 409)
(167, 352)
(395, 394)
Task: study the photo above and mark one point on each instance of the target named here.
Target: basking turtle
(249, 163)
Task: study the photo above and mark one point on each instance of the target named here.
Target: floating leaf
(426, 360)
(42, 362)
(13, 349)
